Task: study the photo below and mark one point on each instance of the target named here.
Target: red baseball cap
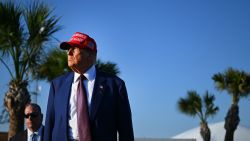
(81, 41)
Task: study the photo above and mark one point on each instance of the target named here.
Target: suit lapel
(25, 135)
(97, 95)
(66, 89)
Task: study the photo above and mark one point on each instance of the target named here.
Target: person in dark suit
(33, 122)
(108, 110)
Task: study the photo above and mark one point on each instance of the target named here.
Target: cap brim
(65, 45)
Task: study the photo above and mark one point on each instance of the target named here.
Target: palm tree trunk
(15, 100)
(205, 131)
(16, 123)
(231, 122)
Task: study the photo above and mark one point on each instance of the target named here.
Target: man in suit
(108, 110)
(33, 121)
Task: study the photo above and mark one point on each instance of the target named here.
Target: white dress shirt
(89, 86)
(38, 133)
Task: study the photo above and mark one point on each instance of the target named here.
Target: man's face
(33, 119)
(79, 59)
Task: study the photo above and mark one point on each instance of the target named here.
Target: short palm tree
(108, 67)
(23, 34)
(193, 105)
(237, 84)
(54, 65)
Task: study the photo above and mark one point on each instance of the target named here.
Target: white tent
(217, 133)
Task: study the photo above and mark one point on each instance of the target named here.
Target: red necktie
(83, 124)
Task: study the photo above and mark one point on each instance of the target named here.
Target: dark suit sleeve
(49, 122)
(125, 127)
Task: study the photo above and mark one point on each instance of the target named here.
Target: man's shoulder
(19, 136)
(63, 76)
(109, 76)
(62, 79)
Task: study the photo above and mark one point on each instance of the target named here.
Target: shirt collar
(90, 74)
(38, 132)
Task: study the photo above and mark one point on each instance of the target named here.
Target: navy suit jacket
(109, 111)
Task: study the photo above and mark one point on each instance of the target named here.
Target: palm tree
(108, 67)
(23, 34)
(47, 70)
(193, 105)
(237, 84)
(55, 64)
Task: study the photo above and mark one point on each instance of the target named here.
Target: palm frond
(185, 107)
(191, 105)
(220, 83)
(194, 105)
(40, 23)
(10, 29)
(244, 86)
(40, 26)
(235, 82)
(210, 108)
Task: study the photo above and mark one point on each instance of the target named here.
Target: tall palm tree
(23, 34)
(237, 84)
(56, 64)
(193, 105)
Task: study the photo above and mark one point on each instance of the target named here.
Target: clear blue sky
(163, 48)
